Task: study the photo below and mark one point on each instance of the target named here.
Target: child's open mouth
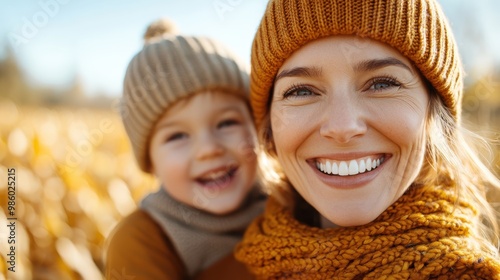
(219, 178)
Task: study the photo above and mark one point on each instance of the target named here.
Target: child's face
(202, 150)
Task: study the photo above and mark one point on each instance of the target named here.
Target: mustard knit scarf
(418, 237)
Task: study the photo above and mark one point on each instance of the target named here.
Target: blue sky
(57, 40)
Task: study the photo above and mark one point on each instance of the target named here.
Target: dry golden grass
(75, 178)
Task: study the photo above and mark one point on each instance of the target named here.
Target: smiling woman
(344, 116)
(358, 108)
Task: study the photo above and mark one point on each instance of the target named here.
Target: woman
(358, 105)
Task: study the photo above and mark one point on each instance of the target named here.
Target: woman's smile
(348, 174)
(349, 167)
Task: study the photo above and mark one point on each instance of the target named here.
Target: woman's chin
(347, 220)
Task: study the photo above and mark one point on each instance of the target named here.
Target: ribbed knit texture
(170, 69)
(417, 28)
(200, 237)
(418, 237)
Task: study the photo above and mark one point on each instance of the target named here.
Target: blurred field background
(71, 188)
(76, 176)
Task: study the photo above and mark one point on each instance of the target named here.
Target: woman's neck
(304, 212)
(325, 223)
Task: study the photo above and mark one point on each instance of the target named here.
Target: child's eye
(227, 123)
(176, 136)
(299, 91)
(379, 84)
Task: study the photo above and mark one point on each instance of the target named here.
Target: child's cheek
(172, 164)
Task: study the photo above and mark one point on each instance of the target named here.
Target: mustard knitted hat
(416, 28)
(168, 69)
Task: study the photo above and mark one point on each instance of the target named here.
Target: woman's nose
(208, 146)
(342, 120)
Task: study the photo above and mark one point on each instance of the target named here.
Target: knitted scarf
(426, 234)
(201, 238)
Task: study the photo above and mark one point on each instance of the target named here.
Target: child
(186, 112)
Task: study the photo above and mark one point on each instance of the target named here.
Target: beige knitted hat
(170, 69)
(416, 28)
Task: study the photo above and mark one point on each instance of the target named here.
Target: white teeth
(215, 175)
(335, 169)
(353, 167)
(343, 170)
(369, 164)
(328, 168)
(362, 166)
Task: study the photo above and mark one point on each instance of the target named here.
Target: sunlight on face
(202, 151)
(348, 118)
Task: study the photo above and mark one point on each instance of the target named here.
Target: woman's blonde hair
(453, 153)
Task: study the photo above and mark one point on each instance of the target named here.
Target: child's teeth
(215, 175)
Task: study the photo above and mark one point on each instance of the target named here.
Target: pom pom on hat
(159, 29)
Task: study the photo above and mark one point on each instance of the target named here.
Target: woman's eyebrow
(366, 65)
(299, 72)
(373, 64)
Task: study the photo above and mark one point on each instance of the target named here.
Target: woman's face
(348, 119)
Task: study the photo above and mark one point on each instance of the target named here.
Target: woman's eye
(384, 83)
(298, 91)
(228, 122)
(176, 136)
(303, 92)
